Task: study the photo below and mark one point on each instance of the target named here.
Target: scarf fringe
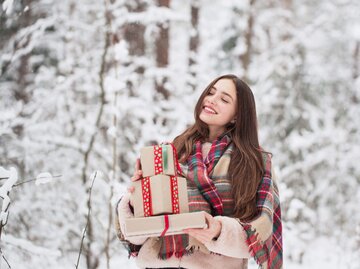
(187, 252)
(165, 255)
(255, 246)
(179, 254)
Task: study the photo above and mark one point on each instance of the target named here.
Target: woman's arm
(123, 212)
(231, 240)
(224, 235)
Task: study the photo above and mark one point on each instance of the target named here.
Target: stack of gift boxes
(160, 198)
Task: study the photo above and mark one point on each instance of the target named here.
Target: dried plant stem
(87, 221)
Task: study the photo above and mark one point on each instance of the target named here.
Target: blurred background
(85, 84)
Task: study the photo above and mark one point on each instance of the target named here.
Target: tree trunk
(21, 92)
(134, 36)
(355, 75)
(162, 52)
(245, 58)
(194, 44)
(134, 32)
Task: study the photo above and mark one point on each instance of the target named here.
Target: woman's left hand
(207, 234)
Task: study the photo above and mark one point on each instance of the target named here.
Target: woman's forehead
(226, 86)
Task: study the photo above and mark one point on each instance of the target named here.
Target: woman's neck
(214, 132)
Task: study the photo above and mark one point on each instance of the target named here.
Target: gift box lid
(158, 159)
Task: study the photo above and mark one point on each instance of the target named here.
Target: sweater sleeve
(123, 212)
(232, 239)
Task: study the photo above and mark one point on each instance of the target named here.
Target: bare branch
(2, 255)
(32, 179)
(5, 190)
(87, 221)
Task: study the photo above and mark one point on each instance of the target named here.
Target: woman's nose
(212, 99)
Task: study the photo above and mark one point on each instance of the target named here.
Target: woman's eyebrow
(213, 87)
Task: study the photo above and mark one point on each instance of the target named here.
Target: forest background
(85, 84)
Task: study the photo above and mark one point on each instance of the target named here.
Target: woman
(229, 177)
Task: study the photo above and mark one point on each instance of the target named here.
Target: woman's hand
(137, 174)
(207, 234)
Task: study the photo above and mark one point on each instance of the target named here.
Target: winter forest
(85, 84)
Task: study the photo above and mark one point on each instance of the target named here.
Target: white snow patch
(43, 178)
(8, 6)
(30, 247)
(11, 177)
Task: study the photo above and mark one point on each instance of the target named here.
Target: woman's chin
(208, 121)
(205, 118)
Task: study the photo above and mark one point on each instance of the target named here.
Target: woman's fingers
(131, 189)
(137, 175)
(137, 164)
(209, 218)
(207, 234)
(202, 235)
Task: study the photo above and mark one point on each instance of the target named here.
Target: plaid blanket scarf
(264, 232)
(198, 173)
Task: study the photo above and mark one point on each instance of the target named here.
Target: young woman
(229, 177)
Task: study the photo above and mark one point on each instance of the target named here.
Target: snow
(303, 70)
(325, 252)
(10, 177)
(43, 178)
(8, 6)
(30, 247)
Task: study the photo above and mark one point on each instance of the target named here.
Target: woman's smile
(209, 110)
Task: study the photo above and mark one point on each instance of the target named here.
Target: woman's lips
(209, 110)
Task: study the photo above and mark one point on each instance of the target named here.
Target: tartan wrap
(199, 169)
(264, 232)
(205, 196)
(219, 176)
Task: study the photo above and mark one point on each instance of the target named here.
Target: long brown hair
(246, 166)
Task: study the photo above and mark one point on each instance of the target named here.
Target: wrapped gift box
(157, 160)
(164, 225)
(160, 194)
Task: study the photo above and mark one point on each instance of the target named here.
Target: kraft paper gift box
(158, 159)
(158, 195)
(164, 225)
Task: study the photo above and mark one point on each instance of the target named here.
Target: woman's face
(219, 105)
